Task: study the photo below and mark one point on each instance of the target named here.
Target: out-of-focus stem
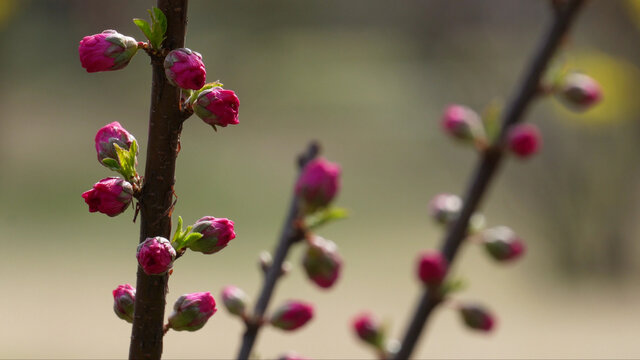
(489, 163)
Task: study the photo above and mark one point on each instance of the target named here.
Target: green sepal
(112, 164)
(325, 216)
(451, 286)
(491, 119)
(194, 95)
(144, 26)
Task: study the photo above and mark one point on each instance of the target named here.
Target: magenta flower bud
(235, 300)
(291, 356)
(109, 135)
(321, 262)
(580, 91)
(502, 243)
(124, 297)
(184, 69)
(109, 196)
(462, 123)
(444, 208)
(477, 317)
(369, 330)
(432, 268)
(216, 234)
(524, 140)
(318, 184)
(191, 311)
(292, 315)
(217, 107)
(155, 255)
(106, 51)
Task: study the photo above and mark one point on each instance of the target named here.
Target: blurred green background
(369, 79)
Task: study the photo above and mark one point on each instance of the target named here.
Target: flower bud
(462, 123)
(291, 356)
(318, 184)
(321, 262)
(155, 255)
(502, 243)
(235, 300)
(191, 311)
(106, 51)
(216, 234)
(477, 317)
(109, 135)
(292, 315)
(580, 91)
(184, 69)
(444, 208)
(432, 268)
(369, 330)
(124, 297)
(524, 140)
(217, 107)
(265, 260)
(110, 196)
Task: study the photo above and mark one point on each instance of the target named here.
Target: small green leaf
(178, 234)
(111, 164)
(453, 285)
(491, 119)
(191, 238)
(125, 164)
(326, 216)
(160, 20)
(144, 26)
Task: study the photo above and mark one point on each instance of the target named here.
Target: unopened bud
(235, 300)
(524, 140)
(184, 68)
(318, 184)
(106, 51)
(321, 262)
(432, 268)
(580, 91)
(444, 208)
(502, 243)
(292, 315)
(191, 311)
(155, 255)
(124, 297)
(109, 135)
(477, 317)
(216, 234)
(462, 123)
(217, 107)
(110, 196)
(369, 330)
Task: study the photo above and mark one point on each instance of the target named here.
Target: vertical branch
(289, 235)
(489, 164)
(165, 125)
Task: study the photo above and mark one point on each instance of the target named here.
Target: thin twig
(489, 164)
(289, 235)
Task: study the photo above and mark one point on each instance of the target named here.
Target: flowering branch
(487, 167)
(290, 234)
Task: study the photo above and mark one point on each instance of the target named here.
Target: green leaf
(178, 233)
(111, 164)
(160, 20)
(158, 27)
(191, 238)
(326, 216)
(491, 119)
(453, 285)
(125, 164)
(144, 26)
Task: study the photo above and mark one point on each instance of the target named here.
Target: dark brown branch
(489, 164)
(165, 125)
(290, 234)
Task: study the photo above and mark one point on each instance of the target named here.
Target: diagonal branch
(489, 163)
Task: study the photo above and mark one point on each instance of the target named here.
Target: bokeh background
(369, 79)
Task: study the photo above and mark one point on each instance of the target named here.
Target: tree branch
(489, 164)
(289, 235)
(165, 125)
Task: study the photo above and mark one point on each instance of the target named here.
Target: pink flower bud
(217, 107)
(369, 330)
(444, 208)
(108, 135)
(580, 91)
(477, 317)
(321, 262)
(191, 311)
(109, 196)
(318, 184)
(216, 234)
(291, 356)
(462, 123)
(155, 255)
(432, 268)
(124, 297)
(106, 51)
(524, 140)
(502, 243)
(184, 69)
(235, 300)
(292, 315)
